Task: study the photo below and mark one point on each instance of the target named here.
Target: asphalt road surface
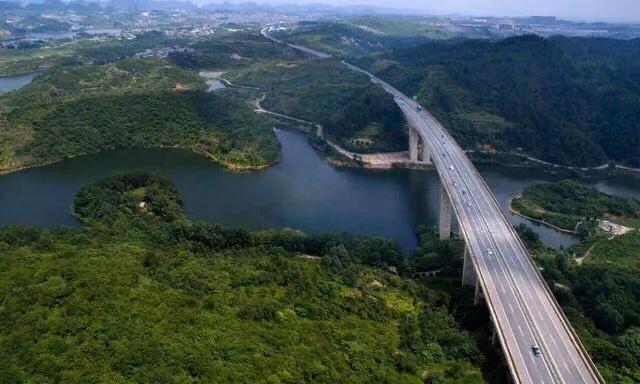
(522, 307)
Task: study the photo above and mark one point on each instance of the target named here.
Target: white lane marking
(553, 320)
(520, 329)
(507, 327)
(500, 238)
(475, 219)
(496, 238)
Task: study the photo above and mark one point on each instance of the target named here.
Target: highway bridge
(539, 344)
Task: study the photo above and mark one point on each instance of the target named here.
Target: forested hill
(132, 103)
(573, 101)
(139, 294)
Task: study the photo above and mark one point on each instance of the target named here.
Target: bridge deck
(522, 307)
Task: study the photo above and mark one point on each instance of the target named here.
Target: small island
(572, 207)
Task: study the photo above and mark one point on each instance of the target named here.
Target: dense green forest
(573, 101)
(566, 203)
(128, 194)
(601, 297)
(140, 294)
(353, 112)
(133, 103)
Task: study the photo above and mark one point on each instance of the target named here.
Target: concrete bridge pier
(444, 222)
(469, 276)
(426, 153)
(478, 295)
(418, 149)
(414, 137)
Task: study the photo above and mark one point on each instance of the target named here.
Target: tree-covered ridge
(140, 299)
(358, 37)
(134, 103)
(566, 203)
(234, 50)
(125, 76)
(566, 101)
(353, 112)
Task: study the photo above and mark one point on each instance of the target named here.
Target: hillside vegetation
(621, 250)
(353, 112)
(234, 50)
(359, 36)
(223, 50)
(601, 297)
(572, 101)
(84, 50)
(567, 203)
(597, 281)
(140, 294)
(133, 103)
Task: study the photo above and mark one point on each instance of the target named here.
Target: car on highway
(536, 350)
(489, 251)
(451, 167)
(468, 204)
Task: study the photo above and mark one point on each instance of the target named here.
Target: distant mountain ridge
(149, 5)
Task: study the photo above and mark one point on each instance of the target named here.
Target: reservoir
(302, 191)
(9, 83)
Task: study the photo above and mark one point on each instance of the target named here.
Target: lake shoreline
(537, 221)
(600, 172)
(207, 155)
(388, 203)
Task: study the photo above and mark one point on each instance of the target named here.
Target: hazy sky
(623, 10)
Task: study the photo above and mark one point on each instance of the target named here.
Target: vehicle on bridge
(536, 350)
(522, 307)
